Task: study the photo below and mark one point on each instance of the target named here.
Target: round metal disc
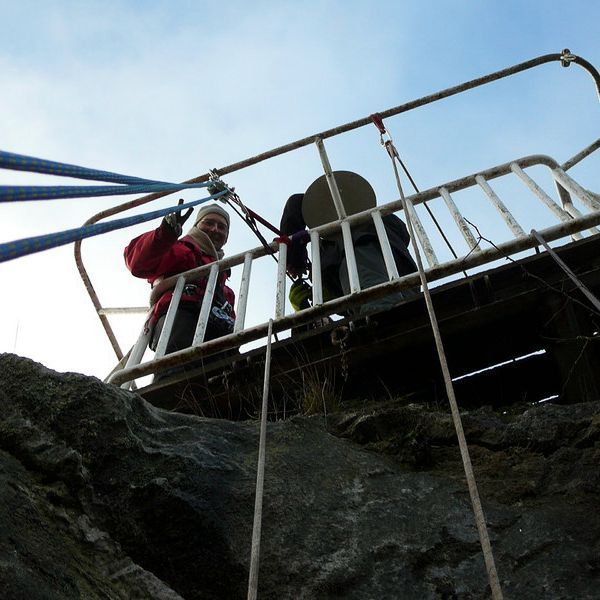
(318, 207)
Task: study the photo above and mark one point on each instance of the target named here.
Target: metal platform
(521, 308)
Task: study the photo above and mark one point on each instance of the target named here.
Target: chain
(344, 359)
(225, 379)
(338, 338)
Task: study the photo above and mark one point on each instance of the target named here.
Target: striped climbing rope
(20, 162)
(20, 193)
(128, 185)
(18, 248)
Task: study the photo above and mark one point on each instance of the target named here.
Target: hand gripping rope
(462, 442)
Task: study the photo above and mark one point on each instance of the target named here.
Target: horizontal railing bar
(408, 106)
(569, 164)
(565, 59)
(339, 304)
(385, 209)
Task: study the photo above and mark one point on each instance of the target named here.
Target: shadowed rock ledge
(104, 496)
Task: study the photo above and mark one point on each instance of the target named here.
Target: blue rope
(20, 162)
(18, 193)
(23, 247)
(131, 185)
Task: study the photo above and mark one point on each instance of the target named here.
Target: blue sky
(168, 90)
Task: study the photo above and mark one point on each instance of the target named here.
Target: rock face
(104, 496)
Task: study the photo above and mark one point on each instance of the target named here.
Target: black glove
(175, 220)
(297, 255)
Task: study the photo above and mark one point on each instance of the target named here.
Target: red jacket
(159, 254)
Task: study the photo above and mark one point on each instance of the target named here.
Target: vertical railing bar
(280, 290)
(315, 249)
(459, 220)
(577, 214)
(206, 307)
(331, 182)
(341, 212)
(570, 207)
(575, 189)
(240, 313)
(556, 209)
(540, 193)
(386, 249)
(422, 236)
(350, 258)
(515, 228)
(165, 334)
(137, 352)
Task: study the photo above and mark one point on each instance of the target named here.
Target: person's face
(216, 228)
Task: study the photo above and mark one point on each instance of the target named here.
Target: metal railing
(576, 213)
(565, 58)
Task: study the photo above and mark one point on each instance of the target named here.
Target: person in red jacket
(159, 254)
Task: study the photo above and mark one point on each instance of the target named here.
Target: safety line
(260, 476)
(25, 246)
(584, 290)
(456, 418)
(132, 185)
(21, 162)
(22, 193)
(378, 122)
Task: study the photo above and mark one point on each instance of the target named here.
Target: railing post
(575, 189)
(280, 291)
(459, 220)
(165, 334)
(207, 300)
(317, 280)
(515, 228)
(333, 188)
(341, 212)
(240, 313)
(386, 249)
(137, 352)
(421, 234)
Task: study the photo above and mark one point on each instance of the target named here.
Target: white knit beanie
(211, 208)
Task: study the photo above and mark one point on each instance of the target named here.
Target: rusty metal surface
(565, 58)
(341, 304)
(581, 155)
(502, 305)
